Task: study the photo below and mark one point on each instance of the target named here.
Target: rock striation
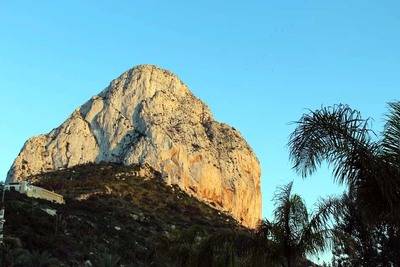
(148, 116)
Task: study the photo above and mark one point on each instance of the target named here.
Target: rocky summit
(148, 116)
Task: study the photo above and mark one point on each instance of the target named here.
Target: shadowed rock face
(148, 115)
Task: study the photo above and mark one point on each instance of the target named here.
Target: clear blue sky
(257, 64)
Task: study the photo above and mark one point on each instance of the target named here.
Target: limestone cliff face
(148, 115)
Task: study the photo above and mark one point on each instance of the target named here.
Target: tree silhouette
(370, 168)
(295, 232)
(367, 232)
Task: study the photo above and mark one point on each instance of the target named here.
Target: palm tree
(370, 168)
(286, 241)
(295, 232)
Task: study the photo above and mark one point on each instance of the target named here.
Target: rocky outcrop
(148, 116)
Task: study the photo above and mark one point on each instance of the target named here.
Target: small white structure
(35, 191)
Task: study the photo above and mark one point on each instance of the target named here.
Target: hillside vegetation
(127, 216)
(110, 212)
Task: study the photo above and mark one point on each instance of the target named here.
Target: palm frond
(391, 135)
(282, 202)
(390, 156)
(316, 233)
(298, 216)
(337, 135)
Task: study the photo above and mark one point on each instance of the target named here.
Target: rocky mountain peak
(149, 116)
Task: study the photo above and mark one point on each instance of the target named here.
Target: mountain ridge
(149, 116)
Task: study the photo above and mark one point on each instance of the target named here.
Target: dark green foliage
(227, 247)
(35, 259)
(18, 257)
(235, 248)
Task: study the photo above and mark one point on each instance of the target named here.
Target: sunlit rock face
(148, 115)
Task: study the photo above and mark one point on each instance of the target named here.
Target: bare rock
(149, 116)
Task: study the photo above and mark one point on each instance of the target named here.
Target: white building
(35, 191)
